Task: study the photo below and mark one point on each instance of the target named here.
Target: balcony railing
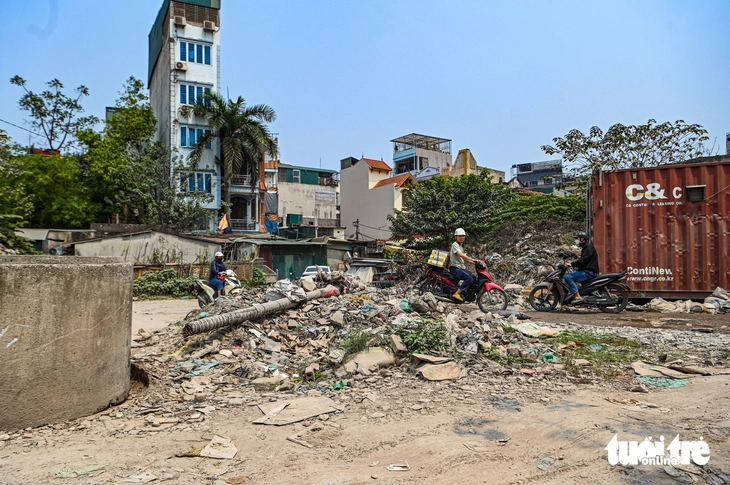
(244, 224)
(241, 180)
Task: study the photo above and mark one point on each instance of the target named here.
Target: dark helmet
(581, 235)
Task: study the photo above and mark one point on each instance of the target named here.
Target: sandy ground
(451, 432)
(152, 315)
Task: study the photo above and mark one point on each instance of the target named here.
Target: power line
(26, 129)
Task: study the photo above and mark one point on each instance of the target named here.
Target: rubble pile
(530, 266)
(343, 355)
(6, 251)
(306, 351)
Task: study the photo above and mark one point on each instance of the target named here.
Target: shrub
(163, 283)
(422, 335)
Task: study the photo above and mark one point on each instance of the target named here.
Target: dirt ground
(502, 430)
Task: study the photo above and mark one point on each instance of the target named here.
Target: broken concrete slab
(219, 447)
(375, 356)
(288, 412)
(440, 372)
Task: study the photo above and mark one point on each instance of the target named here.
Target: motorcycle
(605, 291)
(489, 296)
(231, 286)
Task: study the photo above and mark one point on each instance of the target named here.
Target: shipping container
(668, 227)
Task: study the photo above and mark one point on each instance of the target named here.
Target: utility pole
(357, 229)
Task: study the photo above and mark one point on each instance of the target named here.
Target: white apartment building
(184, 64)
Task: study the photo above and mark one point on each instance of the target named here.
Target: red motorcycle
(489, 296)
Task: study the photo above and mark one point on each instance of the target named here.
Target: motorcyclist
(457, 258)
(586, 267)
(217, 267)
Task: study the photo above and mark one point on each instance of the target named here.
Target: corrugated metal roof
(34, 234)
(312, 169)
(149, 231)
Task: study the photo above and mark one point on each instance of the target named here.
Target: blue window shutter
(199, 94)
(199, 59)
(208, 179)
(191, 94)
(207, 99)
(207, 54)
(183, 94)
(183, 137)
(183, 50)
(191, 183)
(201, 182)
(191, 52)
(199, 134)
(191, 135)
(183, 179)
(208, 145)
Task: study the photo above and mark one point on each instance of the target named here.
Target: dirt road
(702, 322)
(506, 429)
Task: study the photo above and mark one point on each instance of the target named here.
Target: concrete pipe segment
(65, 329)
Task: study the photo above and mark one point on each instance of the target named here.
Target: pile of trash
(531, 266)
(717, 302)
(311, 348)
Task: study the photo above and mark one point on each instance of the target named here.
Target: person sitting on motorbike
(586, 266)
(457, 257)
(217, 266)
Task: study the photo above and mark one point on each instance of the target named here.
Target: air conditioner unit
(179, 20)
(181, 66)
(208, 25)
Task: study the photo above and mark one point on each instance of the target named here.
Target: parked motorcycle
(489, 296)
(231, 286)
(605, 291)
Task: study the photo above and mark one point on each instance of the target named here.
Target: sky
(346, 77)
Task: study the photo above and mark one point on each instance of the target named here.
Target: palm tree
(242, 132)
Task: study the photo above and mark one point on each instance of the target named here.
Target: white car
(313, 270)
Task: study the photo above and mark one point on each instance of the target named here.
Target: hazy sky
(345, 77)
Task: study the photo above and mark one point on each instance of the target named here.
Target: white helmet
(459, 232)
(219, 254)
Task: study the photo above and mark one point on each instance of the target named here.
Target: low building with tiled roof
(399, 180)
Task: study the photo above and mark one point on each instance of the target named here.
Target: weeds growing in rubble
(421, 335)
(357, 341)
(257, 280)
(163, 283)
(605, 353)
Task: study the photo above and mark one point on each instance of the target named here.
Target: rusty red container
(668, 227)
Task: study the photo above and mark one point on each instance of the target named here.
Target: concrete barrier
(65, 328)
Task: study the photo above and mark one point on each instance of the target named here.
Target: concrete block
(65, 333)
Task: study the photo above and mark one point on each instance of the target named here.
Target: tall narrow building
(184, 64)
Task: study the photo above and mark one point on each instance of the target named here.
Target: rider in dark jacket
(217, 267)
(586, 267)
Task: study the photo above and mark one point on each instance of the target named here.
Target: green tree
(156, 197)
(15, 204)
(631, 146)
(242, 133)
(55, 114)
(132, 175)
(434, 208)
(56, 190)
(114, 154)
